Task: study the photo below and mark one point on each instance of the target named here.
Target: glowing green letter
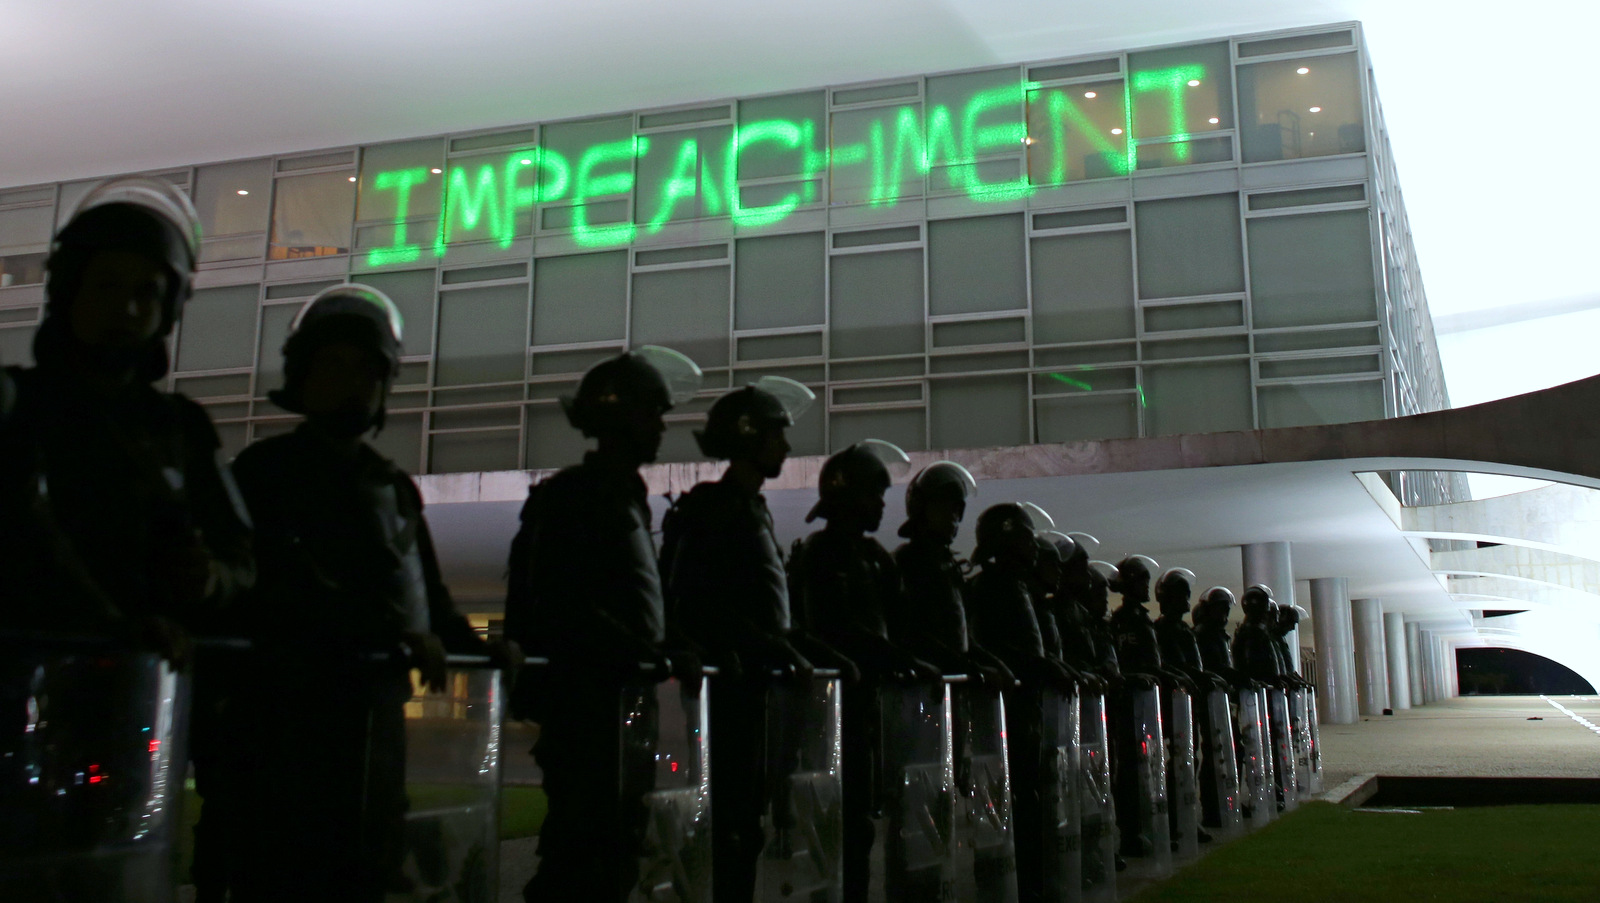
(679, 185)
(591, 185)
(1173, 81)
(1003, 136)
(467, 204)
(401, 180)
(785, 133)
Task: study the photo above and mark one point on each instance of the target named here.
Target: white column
(1430, 645)
(1267, 563)
(1336, 664)
(1394, 639)
(1452, 677)
(1414, 659)
(1372, 669)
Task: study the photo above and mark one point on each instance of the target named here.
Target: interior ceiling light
(1194, 82)
(352, 178)
(1089, 94)
(437, 170)
(1316, 109)
(1116, 131)
(526, 162)
(243, 191)
(1213, 120)
(1302, 71)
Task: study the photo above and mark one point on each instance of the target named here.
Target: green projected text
(1003, 144)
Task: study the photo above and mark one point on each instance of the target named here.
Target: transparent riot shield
(1183, 787)
(1315, 731)
(452, 824)
(1255, 760)
(912, 857)
(1300, 743)
(1059, 791)
(1149, 760)
(804, 820)
(985, 841)
(1220, 789)
(1283, 763)
(91, 764)
(665, 740)
(1099, 812)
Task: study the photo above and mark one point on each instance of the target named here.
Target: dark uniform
(728, 593)
(586, 594)
(1255, 651)
(347, 567)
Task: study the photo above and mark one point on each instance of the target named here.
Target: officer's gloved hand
(507, 656)
(686, 667)
(427, 656)
(163, 636)
(990, 674)
(789, 664)
(1138, 680)
(907, 668)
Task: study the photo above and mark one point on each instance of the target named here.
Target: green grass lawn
(1328, 852)
(521, 813)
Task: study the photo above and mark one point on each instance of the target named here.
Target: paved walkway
(1483, 736)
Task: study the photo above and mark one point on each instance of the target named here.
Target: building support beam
(1414, 663)
(1335, 643)
(1372, 668)
(1394, 641)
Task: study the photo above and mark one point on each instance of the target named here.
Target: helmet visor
(680, 374)
(1040, 517)
(159, 197)
(795, 398)
(353, 299)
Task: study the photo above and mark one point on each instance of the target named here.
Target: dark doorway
(1513, 672)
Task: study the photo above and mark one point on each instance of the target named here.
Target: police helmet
(1133, 570)
(1000, 526)
(1215, 603)
(649, 378)
(737, 419)
(1176, 577)
(147, 217)
(1258, 599)
(351, 313)
(861, 468)
(945, 479)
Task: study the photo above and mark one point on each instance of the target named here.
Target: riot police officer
(1210, 619)
(1285, 620)
(1255, 650)
(585, 593)
(1180, 648)
(726, 591)
(348, 569)
(842, 583)
(121, 516)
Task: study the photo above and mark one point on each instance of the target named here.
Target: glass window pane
(400, 441)
(682, 177)
(551, 440)
(25, 226)
(218, 329)
(16, 346)
(877, 155)
(1189, 246)
(22, 269)
(685, 310)
(876, 304)
(233, 199)
(979, 413)
(1077, 132)
(275, 321)
(580, 298)
(780, 281)
(401, 181)
(1071, 418)
(491, 196)
(473, 452)
(1301, 108)
(412, 292)
(1180, 91)
(598, 155)
(1317, 403)
(791, 116)
(977, 265)
(311, 215)
(482, 335)
(973, 116)
(1083, 287)
(1311, 269)
(1207, 397)
(1214, 149)
(905, 428)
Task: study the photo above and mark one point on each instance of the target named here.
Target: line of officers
(123, 519)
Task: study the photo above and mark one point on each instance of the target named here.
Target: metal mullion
(1307, 209)
(487, 283)
(980, 317)
(1321, 379)
(1192, 299)
(878, 249)
(1293, 55)
(1138, 320)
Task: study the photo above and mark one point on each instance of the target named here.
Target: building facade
(1171, 240)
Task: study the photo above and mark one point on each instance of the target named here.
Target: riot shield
(1282, 750)
(1255, 760)
(985, 841)
(91, 764)
(1099, 812)
(452, 775)
(1059, 791)
(666, 741)
(804, 819)
(1219, 786)
(1149, 760)
(1183, 788)
(1300, 743)
(912, 852)
(1315, 730)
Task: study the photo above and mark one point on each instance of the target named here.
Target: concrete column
(1372, 669)
(1336, 664)
(1267, 563)
(1430, 674)
(1414, 661)
(1394, 641)
(1425, 664)
(1452, 677)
